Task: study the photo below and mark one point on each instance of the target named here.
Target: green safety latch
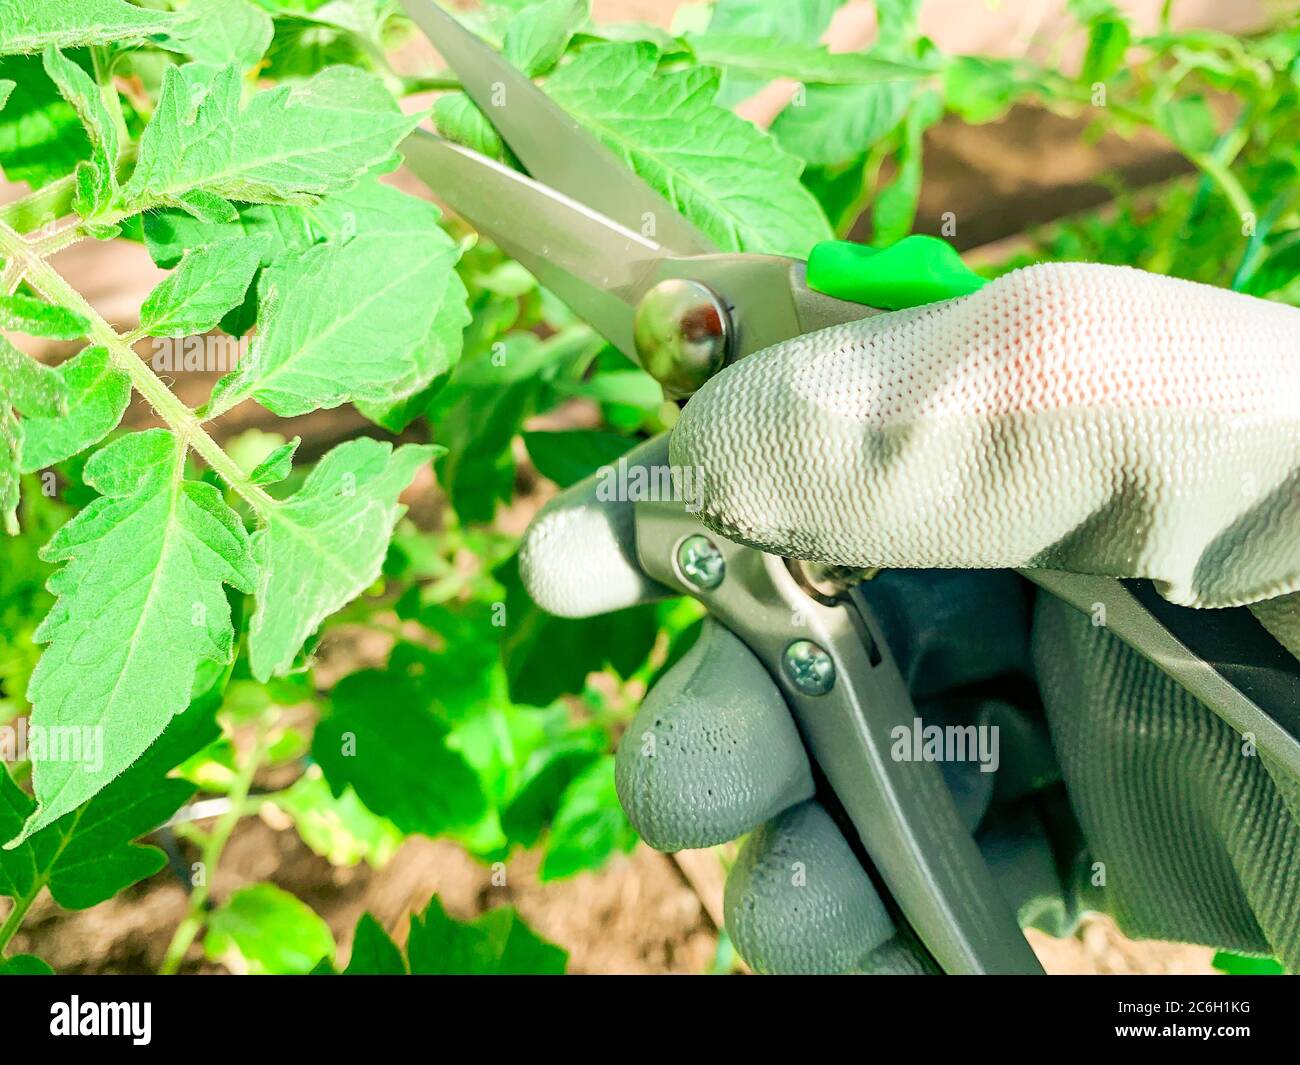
(917, 270)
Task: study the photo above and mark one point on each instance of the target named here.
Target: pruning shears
(659, 290)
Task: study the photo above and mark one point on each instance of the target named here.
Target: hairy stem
(54, 201)
(40, 207)
(183, 421)
(15, 918)
(196, 916)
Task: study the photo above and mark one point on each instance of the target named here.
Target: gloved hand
(1079, 417)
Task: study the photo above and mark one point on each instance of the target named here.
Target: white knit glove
(1078, 417)
(1072, 416)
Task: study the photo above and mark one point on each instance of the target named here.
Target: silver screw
(700, 562)
(809, 668)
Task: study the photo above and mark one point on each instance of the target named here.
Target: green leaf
(373, 953)
(205, 285)
(41, 138)
(31, 389)
(898, 21)
(25, 965)
(217, 32)
(836, 124)
(459, 119)
(479, 413)
(98, 394)
(289, 144)
(547, 657)
(325, 341)
(6, 87)
(277, 465)
(262, 929)
(26, 314)
(567, 457)
(773, 18)
(774, 58)
(383, 741)
(631, 388)
(97, 176)
(170, 232)
(776, 20)
(547, 774)
(590, 825)
(30, 25)
(980, 89)
(339, 829)
(1108, 41)
(497, 943)
(207, 207)
(894, 209)
(88, 855)
(141, 606)
(324, 545)
(537, 36)
(30, 386)
(730, 179)
(1189, 123)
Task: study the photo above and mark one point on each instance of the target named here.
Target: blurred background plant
(496, 722)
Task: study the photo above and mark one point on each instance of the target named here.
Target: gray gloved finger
(578, 557)
(948, 628)
(798, 901)
(1190, 835)
(713, 750)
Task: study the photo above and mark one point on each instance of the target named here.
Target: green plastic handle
(915, 271)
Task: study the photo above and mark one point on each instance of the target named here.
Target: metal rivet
(808, 667)
(700, 562)
(681, 330)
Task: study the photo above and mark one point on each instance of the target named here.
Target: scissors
(656, 288)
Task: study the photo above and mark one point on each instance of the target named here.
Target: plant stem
(15, 918)
(196, 916)
(51, 284)
(42, 206)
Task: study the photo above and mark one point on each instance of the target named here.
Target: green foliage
(145, 567)
(384, 740)
(373, 953)
(264, 930)
(496, 944)
(88, 855)
(324, 545)
(340, 829)
(737, 185)
(41, 137)
(334, 344)
(25, 965)
(206, 284)
(28, 27)
(569, 457)
(98, 394)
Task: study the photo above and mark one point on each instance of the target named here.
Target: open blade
(598, 267)
(550, 143)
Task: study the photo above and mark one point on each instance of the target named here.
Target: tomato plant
(167, 583)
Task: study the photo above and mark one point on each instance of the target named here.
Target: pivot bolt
(700, 562)
(808, 667)
(681, 331)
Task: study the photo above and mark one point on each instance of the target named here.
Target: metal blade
(549, 142)
(599, 268)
